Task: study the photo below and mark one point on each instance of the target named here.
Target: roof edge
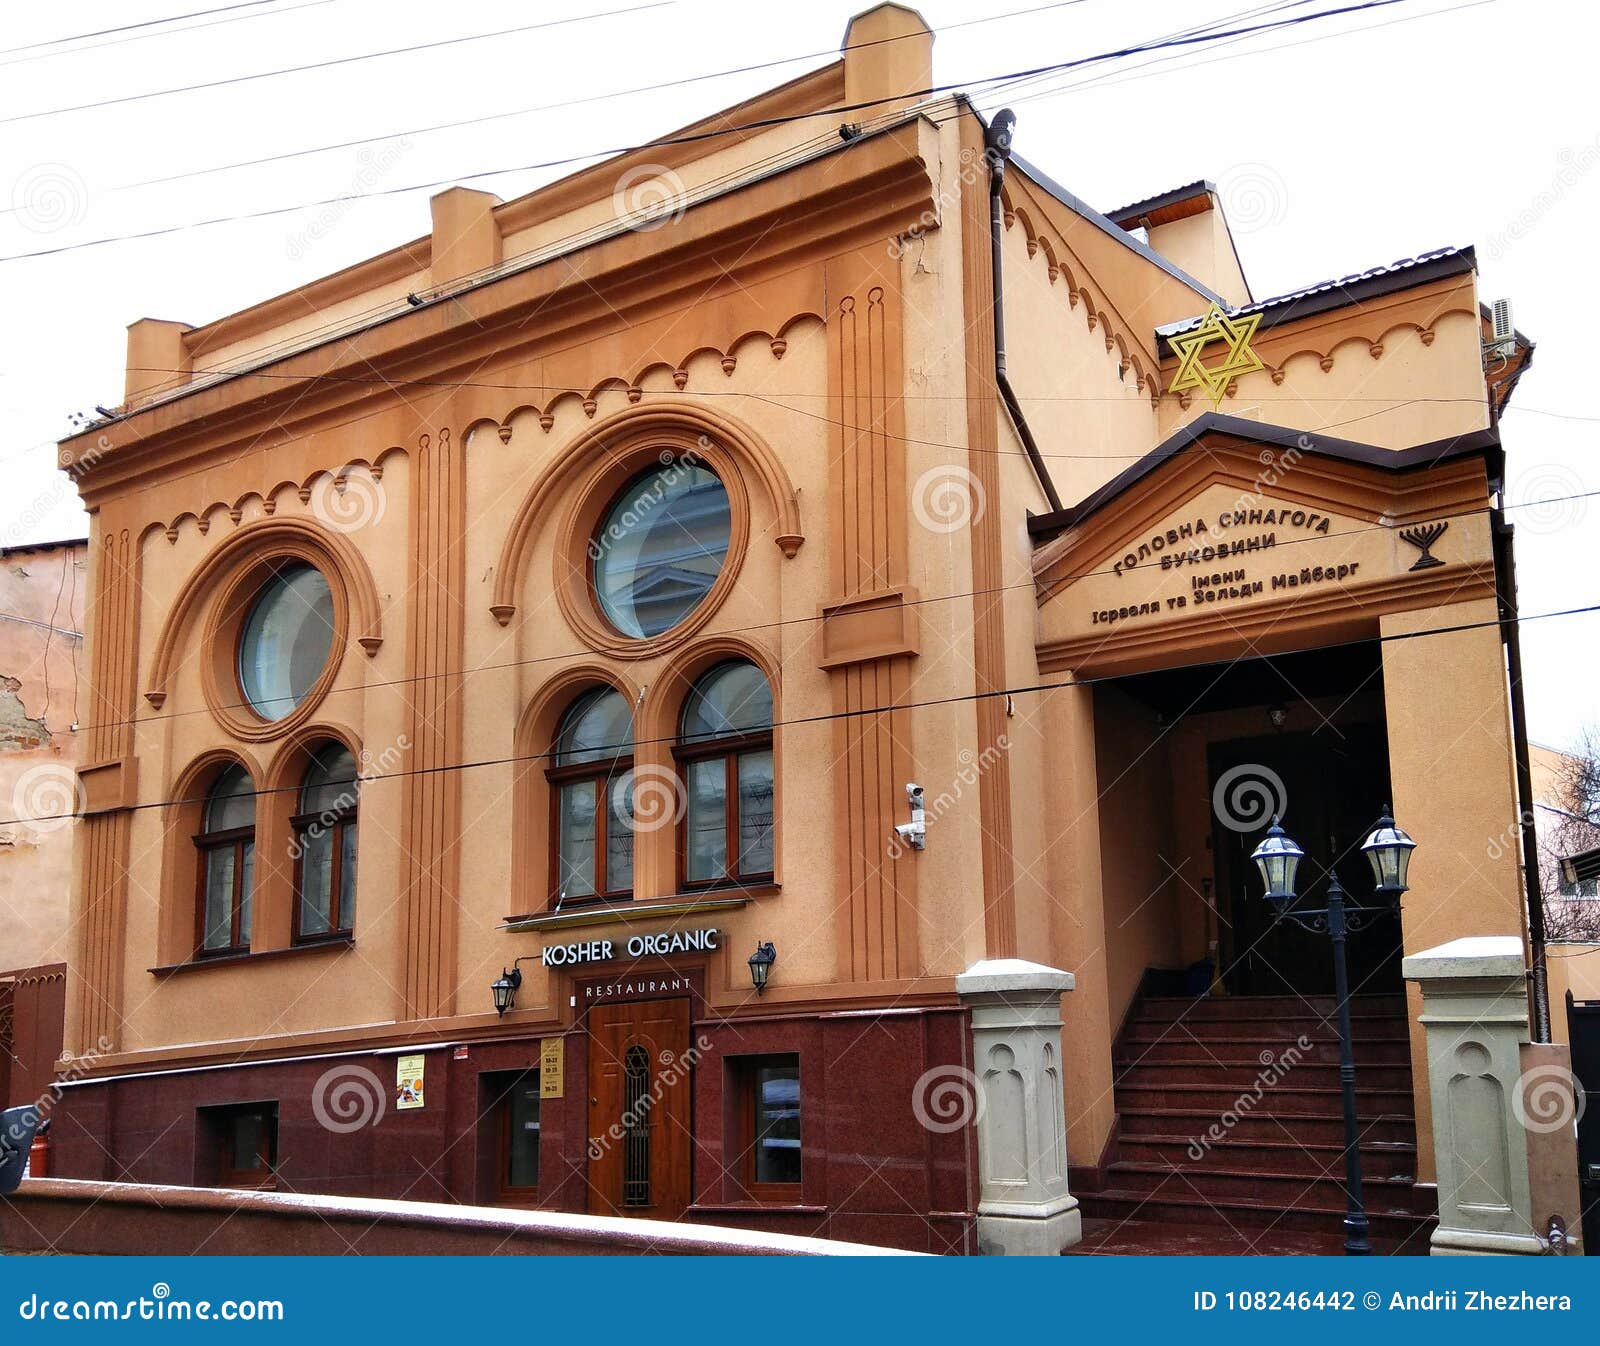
(1419, 456)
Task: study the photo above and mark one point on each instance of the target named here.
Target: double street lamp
(1388, 849)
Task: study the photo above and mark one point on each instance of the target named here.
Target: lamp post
(1389, 851)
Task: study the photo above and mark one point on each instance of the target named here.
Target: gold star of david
(1240, 359)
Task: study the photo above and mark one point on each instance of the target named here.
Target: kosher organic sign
(1208, 555)
(636, 946)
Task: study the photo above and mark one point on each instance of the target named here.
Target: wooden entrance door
(639, 1083)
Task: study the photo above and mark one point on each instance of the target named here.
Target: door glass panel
(347, 876)
(316, 879)
(708, 820)
(577, 823)
(619, 833)
(247, 882)
(636, 1126)
(777, 1129)
(522, 1159)
(755, 812)
(246, 1143)
(219, 898)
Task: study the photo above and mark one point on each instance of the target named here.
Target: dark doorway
(1332, 785)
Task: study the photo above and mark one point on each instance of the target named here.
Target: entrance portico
(1249, 620)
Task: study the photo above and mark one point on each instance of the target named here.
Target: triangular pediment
(1234, 532)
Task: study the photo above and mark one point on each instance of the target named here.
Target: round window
(660, 548)
(286, 640)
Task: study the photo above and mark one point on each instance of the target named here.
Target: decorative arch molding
(537, 723)
(1373, 346)
(181, 821)
(293, 754)
(269, 498)
(530, 792)
(1097, 311)
(633, 436)
(727, 358)
(208, 587)
(663, 705)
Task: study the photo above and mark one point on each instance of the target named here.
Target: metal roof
(1329, 294)
(1131, 213)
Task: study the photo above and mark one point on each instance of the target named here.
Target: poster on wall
(552, 1067)
(407, 1082)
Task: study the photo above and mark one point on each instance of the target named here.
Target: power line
(830, 716)
(781, 623)
(577, 102)
(329, 64)
(129, 27)
(171, 32)
(698, 137)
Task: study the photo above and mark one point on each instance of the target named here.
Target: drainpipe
(1511, 634)
(997, 150)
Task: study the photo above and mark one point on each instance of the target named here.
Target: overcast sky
(1337, 145)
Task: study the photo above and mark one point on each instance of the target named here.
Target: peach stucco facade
(438, 429)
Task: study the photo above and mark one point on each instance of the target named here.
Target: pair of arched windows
(323, 848)
(722, 791)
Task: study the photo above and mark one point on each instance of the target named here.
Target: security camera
(915, 832)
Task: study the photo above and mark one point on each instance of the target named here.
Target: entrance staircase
(1229, 1117)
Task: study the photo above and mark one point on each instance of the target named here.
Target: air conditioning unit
(1503, 333)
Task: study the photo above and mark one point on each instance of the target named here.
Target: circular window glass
(660, 548)
(286, 640)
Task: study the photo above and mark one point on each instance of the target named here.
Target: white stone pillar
(1475, 1015)
(1024, 1207)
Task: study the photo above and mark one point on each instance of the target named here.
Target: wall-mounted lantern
(761, 962)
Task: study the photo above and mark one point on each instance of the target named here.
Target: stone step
(1252, 1074)
(1400, 1232)
(1185, 1047)
(1152, 1117)
(1283, 1100)
(1379, 1159)
(1285, 1191)
(1271, 1006)
(1284, 1029)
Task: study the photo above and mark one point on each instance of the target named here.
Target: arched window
(227, 845)
(591, 790)
(725, 753)
(325, 846)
